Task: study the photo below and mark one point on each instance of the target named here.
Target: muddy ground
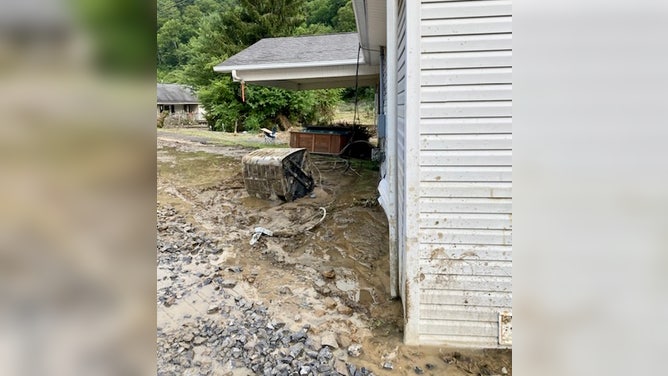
(312, 299)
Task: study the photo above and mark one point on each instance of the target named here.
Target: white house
(179, 100)
(444, 74)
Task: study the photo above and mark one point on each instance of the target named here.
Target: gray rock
(418, 370)
(388, 365)
(228, 284)
(324, 367)
(282, 367)
(304, 370)
(325, 354)
(296, 350)
(213, 309)
(298, 336)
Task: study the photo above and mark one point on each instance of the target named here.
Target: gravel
(236, 332)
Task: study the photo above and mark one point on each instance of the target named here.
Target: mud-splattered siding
(401, 153)
(465, 219)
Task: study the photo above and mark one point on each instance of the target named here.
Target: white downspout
(391, 140)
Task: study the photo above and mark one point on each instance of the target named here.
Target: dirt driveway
(312, 299)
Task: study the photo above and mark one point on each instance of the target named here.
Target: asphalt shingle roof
(175, 93)
(300, 49)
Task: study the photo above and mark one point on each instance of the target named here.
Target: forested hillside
(195, 35)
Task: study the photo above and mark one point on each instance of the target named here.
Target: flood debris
(205, 219)
(355, 350)
(258, 232)
(282, 173)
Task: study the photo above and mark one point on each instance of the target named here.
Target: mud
(331, 274)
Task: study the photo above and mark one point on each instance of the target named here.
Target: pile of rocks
(236, 333)
(240, 334)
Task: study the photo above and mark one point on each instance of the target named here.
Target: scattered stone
(344, 310)
(198, 340)
(298, 318)
(235, 269)
(430, 366)
(213, 309)
(170, 301)
(344, 340)
(285, 290)
(296, 350)
(504, 371)
(355, 350)
(329, 339)
(305, 370)
(388, 365)
(325, 354)
(340, 367)
(188, 337)
(228, 284)
(329, 303)
(328, 273)
(299, 336)
(324, 367)
(313, 343)
(418, 370)
(319, 313)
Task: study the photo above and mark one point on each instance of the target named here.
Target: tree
(195, 37)
(345, 18)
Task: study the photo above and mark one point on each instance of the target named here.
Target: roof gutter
(361, 20)
(324, 64)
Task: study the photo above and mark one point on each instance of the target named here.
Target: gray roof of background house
(300, 49)
(175, 94)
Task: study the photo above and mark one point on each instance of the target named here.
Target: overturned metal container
(278, 173)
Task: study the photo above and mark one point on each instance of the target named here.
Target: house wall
(401, 147)
(197, 110)
(465, 164)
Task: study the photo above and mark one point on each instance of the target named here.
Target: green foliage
(123, 40)
(345, 18)
(196, 35)
(313, 29)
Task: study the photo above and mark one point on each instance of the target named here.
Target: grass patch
(246, 140)
(345, 112)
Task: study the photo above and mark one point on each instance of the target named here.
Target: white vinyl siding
(401, 149)
(465, 219)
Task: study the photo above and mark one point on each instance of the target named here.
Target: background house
(179, 100)
(443, 71)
